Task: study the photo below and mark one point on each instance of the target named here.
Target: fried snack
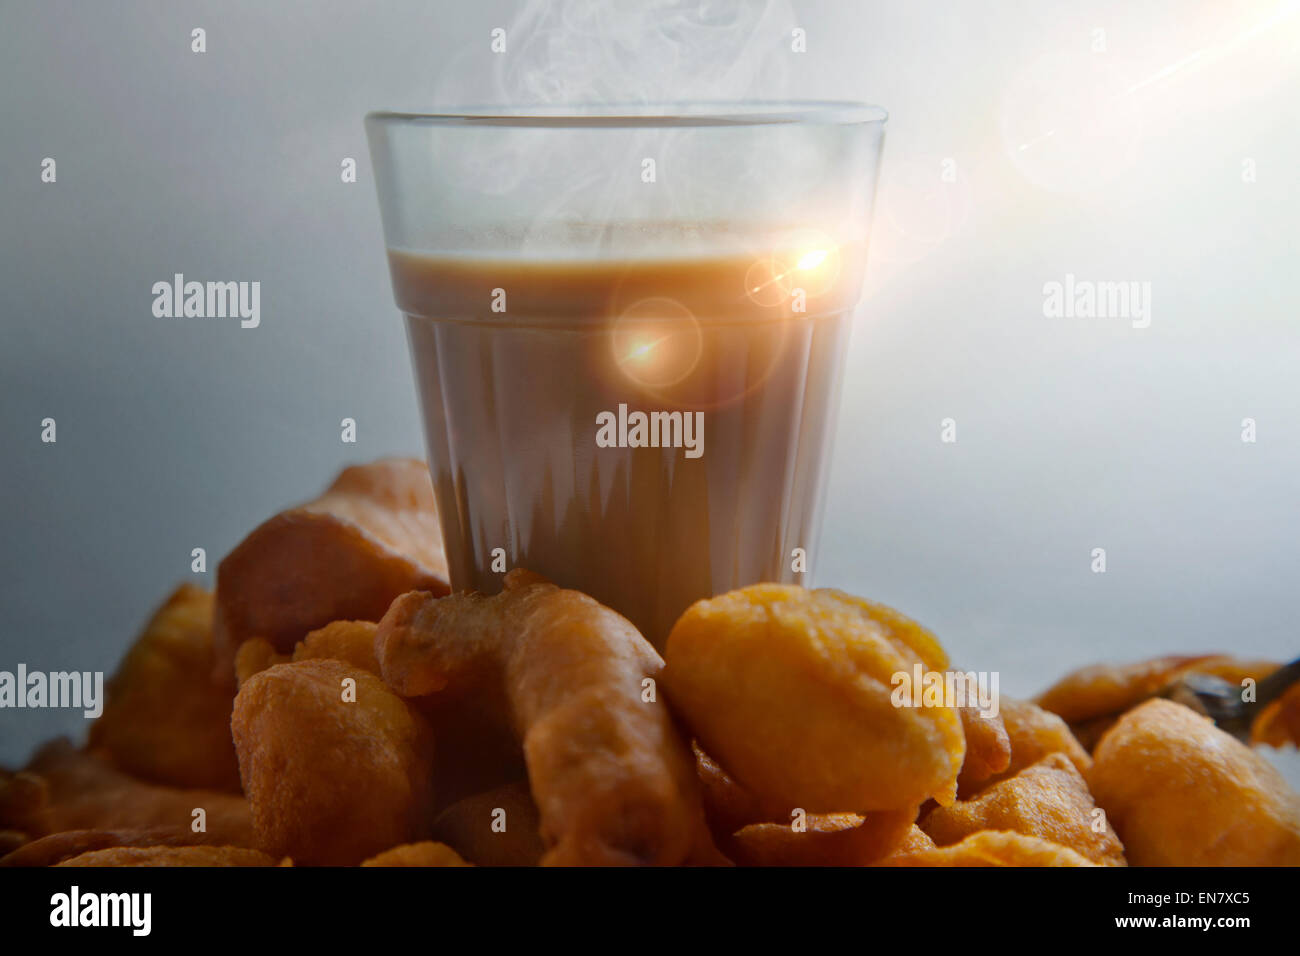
(790, 690)
(914, 841)
(1049, 800)
(331, 780)
(613, 781)
(727, 805)
(496, 828)
(171, 856)
(1093, 698)
(54, 848)
(1181, 792)
(254, 656)
(372, 536)
(426, 853)
(82, 791)
(165, 719)
(988, 748)
(1035, 733)
(993, 848)
(829, 839)
(1110, 689)
(1279, 723)
(350, 641)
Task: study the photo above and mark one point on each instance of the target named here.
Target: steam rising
(576, 52)
(583, 188)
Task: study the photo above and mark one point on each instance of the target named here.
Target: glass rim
(643, 115)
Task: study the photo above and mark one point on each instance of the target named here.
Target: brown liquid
(510, 402)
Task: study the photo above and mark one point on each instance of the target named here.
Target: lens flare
(656, 342)
(812, 259)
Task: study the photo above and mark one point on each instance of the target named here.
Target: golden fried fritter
(334, 772)
(171, 856)
(988, 748)
(165, 718)
(254, 656)
(830, 839)
(1093, 698)
(1049, 800)
(727, 805)
(426, 853)
(497, 828)
(1034, 733)
(613, 780)
(993, 848)
(790, 690)
(65, 789)
(1181, 792)
(372, 536)
(350, 641)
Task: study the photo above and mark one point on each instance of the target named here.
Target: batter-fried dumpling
(350, 641)
(727, 805)
(65, 789)
(791, 691)
(254, 656)
(1093, 698)
(496, 828)
(993, 848)
(1035, 733)
(334, 773)
(345, 556)
(988, 748)
(171, 856)
(425, 853)
(166, 719)
(1049, 800)
(613, 780)
(1181, 792)
(830, 839)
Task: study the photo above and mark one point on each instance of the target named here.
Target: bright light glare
(811, 260)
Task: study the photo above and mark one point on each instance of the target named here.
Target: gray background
(1072, 433)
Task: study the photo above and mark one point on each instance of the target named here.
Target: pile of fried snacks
(333, 705)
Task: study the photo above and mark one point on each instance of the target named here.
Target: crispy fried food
(171, 856)
(496, 828)
(1109, 689)
(613, 780)
(54, 848)
(350, 641)
(254, 656)
(332, 777)
(988, 748)
(914, 841)
(791, 691)
(993, 848)
(727, 805)
(1279, 723)
(1049, 800)
(1092, 698)
(426, 853)
(1181, 792)
(165, 719)
(81, 791)
(829, 839)
(1035, 733)
(372, 536)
